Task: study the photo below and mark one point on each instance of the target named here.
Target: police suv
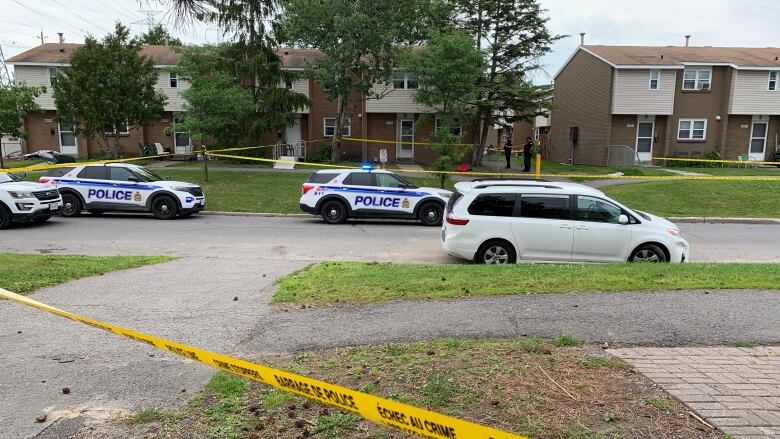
(24, 201)
(338, 194)
(122, 187)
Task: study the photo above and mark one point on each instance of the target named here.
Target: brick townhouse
(672, 101)
(393, 116)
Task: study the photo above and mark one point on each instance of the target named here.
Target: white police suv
(24, 201)
(338, 194)
(122, 187)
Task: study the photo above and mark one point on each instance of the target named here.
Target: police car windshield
(146, 174)
(7, 178)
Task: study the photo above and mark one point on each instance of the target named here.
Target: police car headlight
(22, 194)
(445, 194)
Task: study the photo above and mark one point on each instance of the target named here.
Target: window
(655, 79)
(180, 137)
(288, 83)
(493, 205)
(455, 130)
(599, 211)
(692, 129)
(773, 80)
(329, 127)
(405, 81)
(120, 174)
(360, 179)
(57, 172)
(320, 178)
(52, 73)
(548, 207)
(173, 80)
(93, 172)
(389, 180)
(122, 129)
(697, 79)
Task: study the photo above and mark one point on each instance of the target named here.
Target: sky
(610, 22)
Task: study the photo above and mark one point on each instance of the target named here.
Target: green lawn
(332, 283)
(20, 273)
(708, 198)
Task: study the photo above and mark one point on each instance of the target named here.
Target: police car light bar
(367, 166)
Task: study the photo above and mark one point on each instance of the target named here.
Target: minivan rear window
(549, 207)
(321, 177)
(456, 196)
(493, 205)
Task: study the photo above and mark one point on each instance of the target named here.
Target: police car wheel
(495, 252)
(164, 207)
(5, 218)
(431, 214)
(334, 212)
(71, 205)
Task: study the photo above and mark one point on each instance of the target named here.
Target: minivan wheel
(71, 205)
(648, 253)
(334, 212)
(496, 252)
(431, 214)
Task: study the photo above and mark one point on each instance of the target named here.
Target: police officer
(529, 144)
(508, 151)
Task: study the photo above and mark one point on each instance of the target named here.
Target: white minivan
(503, 221)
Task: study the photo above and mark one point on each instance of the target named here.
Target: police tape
(33, 168)
(738, 162)
(410, 419)
(524, 175)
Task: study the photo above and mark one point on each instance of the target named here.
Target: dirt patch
(525, 386)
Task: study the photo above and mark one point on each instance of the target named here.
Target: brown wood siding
(583, 98)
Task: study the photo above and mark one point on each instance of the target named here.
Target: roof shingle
(677, 55)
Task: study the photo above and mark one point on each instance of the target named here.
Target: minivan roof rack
(507, 184)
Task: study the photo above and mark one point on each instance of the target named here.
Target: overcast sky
(626, 22)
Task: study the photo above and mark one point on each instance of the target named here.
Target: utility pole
(7, 76)
(42, 37)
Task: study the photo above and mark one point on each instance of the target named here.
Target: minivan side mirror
(623, 219)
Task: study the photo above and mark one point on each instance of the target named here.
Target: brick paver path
(734, 389)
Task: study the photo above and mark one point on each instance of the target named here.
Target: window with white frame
(52, 73)
(173, 80)
(122, 129)
(655, 79)
(773, 77)
(329, 127)
(404, 80)
(697, 79)
(692, 129)
(456, 130)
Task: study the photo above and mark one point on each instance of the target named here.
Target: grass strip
(22, 273)
(333, 283)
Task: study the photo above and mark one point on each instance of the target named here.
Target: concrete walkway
(734, 389)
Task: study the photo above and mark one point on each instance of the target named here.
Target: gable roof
(59, 53)
(738, 57)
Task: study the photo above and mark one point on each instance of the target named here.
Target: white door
(293, 135)
(644, 140)
(68, 142)
(598, 234)
(758, 134)
(405, 139)
(544, 230)
(181, 139)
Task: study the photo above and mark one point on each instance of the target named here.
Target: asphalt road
(308, 239)
(223, 257)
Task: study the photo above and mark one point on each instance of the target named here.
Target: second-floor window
(173, 80)
(697, 79)
(52, 73)
(773, 78)
(655, 79)
(329, 127)
(692, 129)
(405, 81)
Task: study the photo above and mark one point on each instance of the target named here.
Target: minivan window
(493, 205)
(359, 179)
(596, 210)
(93, 172)
(322, 177)
(456, 196)
(549, 207)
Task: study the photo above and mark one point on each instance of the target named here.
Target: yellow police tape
(524, 175)
(70, 165)
(416, 421)
(739, 162)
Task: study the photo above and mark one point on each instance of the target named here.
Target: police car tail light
(452, 219)
(306, 188)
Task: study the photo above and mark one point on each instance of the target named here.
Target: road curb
(258, 214)
(716, 220)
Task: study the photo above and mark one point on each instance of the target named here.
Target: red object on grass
(464, 168)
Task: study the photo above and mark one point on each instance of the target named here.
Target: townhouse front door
(644, 139)
(68, 143)
(405, 139)
(758, 134)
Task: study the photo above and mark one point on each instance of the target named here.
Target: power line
(80, 17)
(47, 17)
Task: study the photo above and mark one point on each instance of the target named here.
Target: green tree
(512, 35)
(158, 35)
(107, 86)
(16, 102)
(360, 41)
(447, 69)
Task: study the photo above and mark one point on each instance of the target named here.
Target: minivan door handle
(582, 228)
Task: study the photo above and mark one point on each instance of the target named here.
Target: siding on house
(174, 102)
(302, 86)
(750, 94)
(393, 101)
(632, 94)
(37, 75)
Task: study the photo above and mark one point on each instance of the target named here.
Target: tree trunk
(116, 143)
(335, 152)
